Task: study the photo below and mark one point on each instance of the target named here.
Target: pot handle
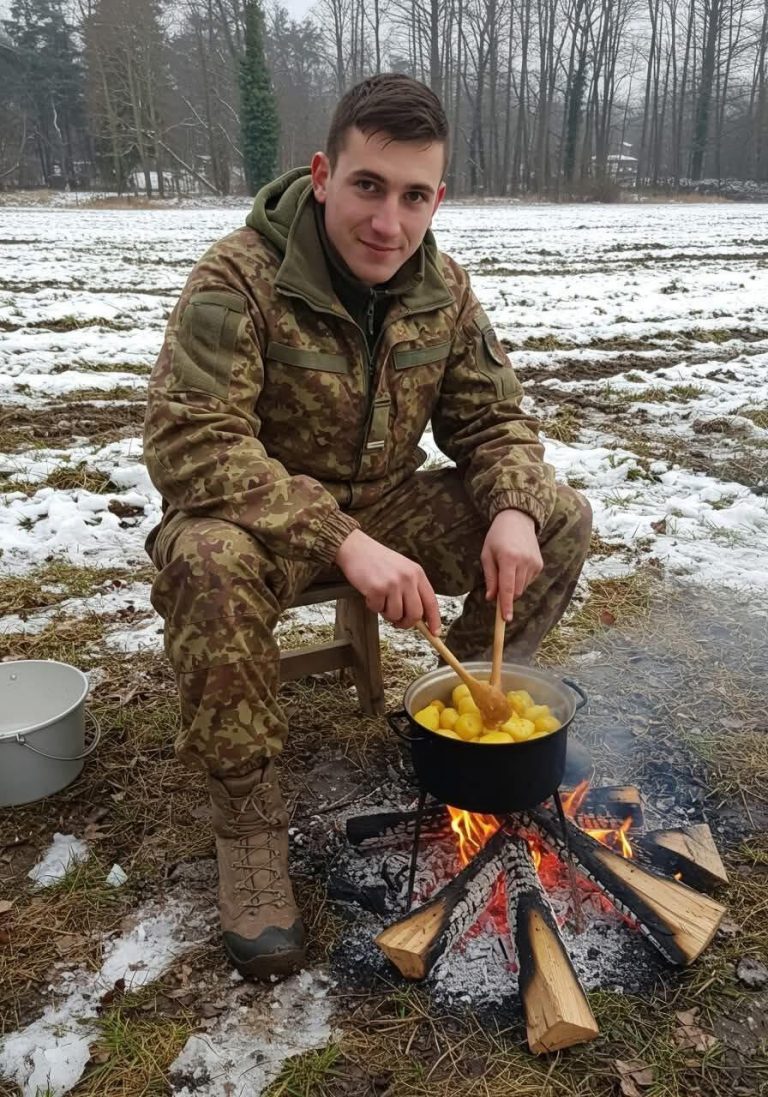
(577, 689)
(70, 757)
(400, 722)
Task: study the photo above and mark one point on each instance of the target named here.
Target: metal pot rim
(447, 679)
(11, 734)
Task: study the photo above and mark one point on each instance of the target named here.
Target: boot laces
(259, 876)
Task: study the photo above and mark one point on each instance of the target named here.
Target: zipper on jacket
(371, 312)
(370, 356)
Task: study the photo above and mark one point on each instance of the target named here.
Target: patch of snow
(240, 1054)
(52, 1052)
(116, 876)
(64, 852)
(134, 597)
(50, 1055)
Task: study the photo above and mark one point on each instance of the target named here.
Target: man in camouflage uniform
(307, 354)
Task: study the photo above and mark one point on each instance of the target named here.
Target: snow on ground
(598, 301)
(50, 1055)
(243, 1051)
(580, 276)
(64, 852)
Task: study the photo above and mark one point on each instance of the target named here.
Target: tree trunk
(704, 100)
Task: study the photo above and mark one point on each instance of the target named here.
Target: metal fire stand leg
(571, 864)
(415, 849)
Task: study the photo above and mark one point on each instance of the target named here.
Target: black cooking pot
(491, 778)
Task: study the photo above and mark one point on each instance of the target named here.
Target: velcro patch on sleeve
(204, 354)
(492, 359)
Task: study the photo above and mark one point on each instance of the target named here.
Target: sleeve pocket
(492, 360)
(204, 354)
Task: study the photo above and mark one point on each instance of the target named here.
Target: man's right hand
(391, 584)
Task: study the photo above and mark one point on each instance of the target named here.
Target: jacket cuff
(518, 500)
(334, 530)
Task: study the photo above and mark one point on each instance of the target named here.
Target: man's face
(379, 200)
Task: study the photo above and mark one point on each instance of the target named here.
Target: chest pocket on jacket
(307, 359)
(423, 356)
(492, 359)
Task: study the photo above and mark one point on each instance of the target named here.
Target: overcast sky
(297, 8)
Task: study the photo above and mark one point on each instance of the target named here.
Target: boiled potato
(495, 736)
(466, 704)
(459, 692)
(447, 733)
(520, 700)
(469, 725)
(448, 718)
(546, 724)
(519, 728)
(463, 720)
(428, 717)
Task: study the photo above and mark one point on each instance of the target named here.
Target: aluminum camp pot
(42, 728)
(490, 778)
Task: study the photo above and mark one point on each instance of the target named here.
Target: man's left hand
(511, 558)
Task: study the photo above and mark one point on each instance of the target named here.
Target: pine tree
(48, 84)
(258, 110)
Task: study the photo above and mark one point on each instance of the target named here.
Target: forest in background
(556, 98)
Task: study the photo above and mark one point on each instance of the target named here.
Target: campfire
(656, 880)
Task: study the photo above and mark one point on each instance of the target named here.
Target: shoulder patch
(492, 359)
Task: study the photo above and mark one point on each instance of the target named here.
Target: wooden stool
(356, 645)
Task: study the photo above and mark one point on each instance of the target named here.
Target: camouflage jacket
(267, 409)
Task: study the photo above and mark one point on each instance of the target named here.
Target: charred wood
(414, 942)
(689, 852)
(676, 919)
(610, 806)
(557, 1013)
(386, 829)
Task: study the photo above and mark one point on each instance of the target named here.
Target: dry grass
(134, 1049)
(118, 393)
(660, 395)
(23, 428)
(759, 416)
(609, 603)
(58, 580)
(565, 426)
(398, 1044)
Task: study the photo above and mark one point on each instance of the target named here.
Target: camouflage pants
(221, 593)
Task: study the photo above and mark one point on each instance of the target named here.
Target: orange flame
(615, 838)
(573, 800)
(473, 832)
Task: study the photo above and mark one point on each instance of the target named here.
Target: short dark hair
(391, 103)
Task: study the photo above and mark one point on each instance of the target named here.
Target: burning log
(676, 919)
(557, 1013)
(386, 829)
(414, 942)
(609, 806)
(689, 851)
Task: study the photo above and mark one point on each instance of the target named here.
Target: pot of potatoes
(493, 770)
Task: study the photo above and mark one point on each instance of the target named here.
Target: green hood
(283, 213)
(276, 205)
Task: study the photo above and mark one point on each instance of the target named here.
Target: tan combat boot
(262, 929)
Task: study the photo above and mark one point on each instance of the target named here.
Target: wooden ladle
(489, 699)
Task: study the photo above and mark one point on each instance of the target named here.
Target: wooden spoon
(489, 699)
(499, 633)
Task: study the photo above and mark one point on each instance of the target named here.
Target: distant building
(622, 167)
(137, 182)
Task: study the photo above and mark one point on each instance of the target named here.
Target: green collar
(304, 270)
